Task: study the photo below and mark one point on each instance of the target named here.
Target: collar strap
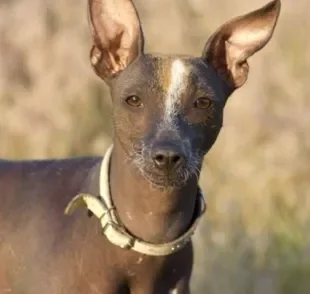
(102, 207)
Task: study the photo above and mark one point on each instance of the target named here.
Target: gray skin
(154, 169)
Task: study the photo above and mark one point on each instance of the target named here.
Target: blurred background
(255, 236)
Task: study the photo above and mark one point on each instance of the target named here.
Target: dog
(123, 223)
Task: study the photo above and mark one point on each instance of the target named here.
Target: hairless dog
(123, 223)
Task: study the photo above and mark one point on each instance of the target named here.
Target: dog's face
(167, 104)
(168, 110)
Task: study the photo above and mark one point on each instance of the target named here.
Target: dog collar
(102, 207)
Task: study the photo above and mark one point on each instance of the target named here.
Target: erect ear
(117, 35)
(232, 44)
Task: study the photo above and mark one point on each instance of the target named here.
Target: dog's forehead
(184, 74)
(176, 71)
(176, 77)
(166, 76)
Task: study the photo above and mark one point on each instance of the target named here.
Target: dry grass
(255, 238)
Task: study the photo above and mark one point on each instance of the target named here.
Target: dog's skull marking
(176, 88)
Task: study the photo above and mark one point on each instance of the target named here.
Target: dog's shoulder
(58, 166)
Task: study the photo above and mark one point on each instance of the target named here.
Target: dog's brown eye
(203, 103)
(134, 101)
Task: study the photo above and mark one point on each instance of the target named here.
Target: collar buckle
(117, 234)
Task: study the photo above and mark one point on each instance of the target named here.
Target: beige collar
(102, 207)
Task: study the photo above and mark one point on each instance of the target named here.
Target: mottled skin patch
(163, 74)
(178, 83)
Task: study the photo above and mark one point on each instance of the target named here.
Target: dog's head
(168, 110)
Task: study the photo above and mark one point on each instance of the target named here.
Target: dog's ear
(117, 36)
(231, 45)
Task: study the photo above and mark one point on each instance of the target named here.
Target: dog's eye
(134, 101)
(203, 103)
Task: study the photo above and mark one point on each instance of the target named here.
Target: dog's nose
(167, 158)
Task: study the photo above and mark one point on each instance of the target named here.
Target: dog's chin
(164, 180)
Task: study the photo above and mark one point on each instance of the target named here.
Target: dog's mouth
(166, 178)
(174, 179)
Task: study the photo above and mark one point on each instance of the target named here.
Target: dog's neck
(152, 214)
